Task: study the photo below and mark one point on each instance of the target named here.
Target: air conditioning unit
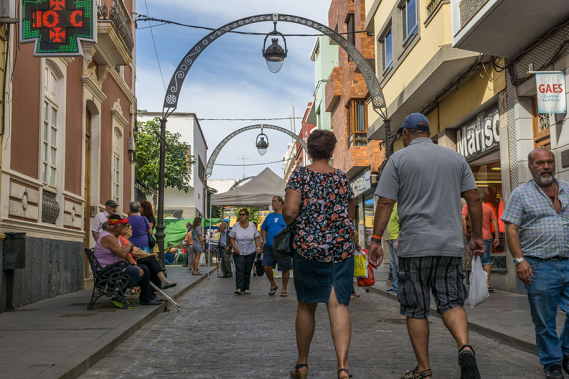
(8, 10)
(131, 144)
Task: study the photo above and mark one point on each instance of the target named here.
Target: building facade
(180, 204)
(532, 37)
(346, 98)
(325, 57)
(67, 148)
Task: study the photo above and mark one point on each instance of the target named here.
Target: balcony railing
(120, 21)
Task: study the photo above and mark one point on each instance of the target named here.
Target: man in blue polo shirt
(273, 224)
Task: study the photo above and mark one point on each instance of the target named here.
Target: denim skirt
(313, 281)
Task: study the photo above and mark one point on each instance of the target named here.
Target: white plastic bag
(202, 259)
(478, 288)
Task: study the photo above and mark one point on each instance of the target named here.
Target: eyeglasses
(242, 214)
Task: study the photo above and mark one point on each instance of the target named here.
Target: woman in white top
(245, 242)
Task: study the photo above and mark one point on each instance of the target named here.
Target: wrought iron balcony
(120, 22)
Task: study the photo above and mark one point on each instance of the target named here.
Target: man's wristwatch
(517, 261)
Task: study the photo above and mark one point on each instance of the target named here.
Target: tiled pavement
(220, 335)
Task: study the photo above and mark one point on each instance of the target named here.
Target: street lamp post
(160, 225)
(274, 54)
(261, 144)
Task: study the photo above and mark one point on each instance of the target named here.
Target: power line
(154, 43)
(164, 22)
(247, 119)
(253, 164)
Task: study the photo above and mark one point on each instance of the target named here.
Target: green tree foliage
(253, 215)
(177, 173)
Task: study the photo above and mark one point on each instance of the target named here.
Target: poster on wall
(551, 92)
(58, 26)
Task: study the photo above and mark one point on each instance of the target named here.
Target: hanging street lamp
(274, 54)
(261, 144)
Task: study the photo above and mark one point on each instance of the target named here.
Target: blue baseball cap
(412, 122)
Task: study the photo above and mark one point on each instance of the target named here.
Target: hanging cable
(253, 164)
(155, 50)
(247, 119)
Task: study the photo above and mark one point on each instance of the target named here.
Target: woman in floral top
(320, 200)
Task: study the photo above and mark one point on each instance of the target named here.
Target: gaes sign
(57, 26)
(551, 92)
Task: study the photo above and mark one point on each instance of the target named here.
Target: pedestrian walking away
(393, 237)
(489, 221)
(320, 203)
(537, 222)
(224, 249)
(273, 224)
(244, 239)
(427, 181)
(197, 247)
(101, 219)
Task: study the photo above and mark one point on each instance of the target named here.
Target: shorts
(313, 281)
(419, 276)
(270, 260)
(486, 259)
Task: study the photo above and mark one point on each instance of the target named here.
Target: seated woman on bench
(150, 261)
(109, 251)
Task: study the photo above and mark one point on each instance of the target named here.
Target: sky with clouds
(230, 79)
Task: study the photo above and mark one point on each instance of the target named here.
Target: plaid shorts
(442, 275)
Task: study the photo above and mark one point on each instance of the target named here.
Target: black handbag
(282, 244)
(151, 241)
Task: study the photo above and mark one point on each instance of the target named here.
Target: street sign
(551, 92)
(57, 26)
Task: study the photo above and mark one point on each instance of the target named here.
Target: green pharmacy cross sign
(57, 26)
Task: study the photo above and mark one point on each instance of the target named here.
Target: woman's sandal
(299, 374)
(343, 369)
(415, 374)
(284, 294)
(168, 284)
(467, 363)
(273, 291)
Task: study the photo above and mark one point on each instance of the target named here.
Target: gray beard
(540, 180)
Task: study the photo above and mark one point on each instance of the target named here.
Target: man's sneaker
(554, 372)
(392, 290)
(566, 364)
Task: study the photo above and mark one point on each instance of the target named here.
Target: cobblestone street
(220, 335)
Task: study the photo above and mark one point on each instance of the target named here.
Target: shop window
(369, 214)
(541, 126)
(357, 123)
(409, 24)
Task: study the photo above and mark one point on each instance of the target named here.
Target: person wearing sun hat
(108, 251)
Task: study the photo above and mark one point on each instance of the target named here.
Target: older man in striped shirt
(537, 232)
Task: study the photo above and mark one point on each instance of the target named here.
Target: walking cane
(170, 300)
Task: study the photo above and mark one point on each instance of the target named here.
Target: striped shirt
(544, 233)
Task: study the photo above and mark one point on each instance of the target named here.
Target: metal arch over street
(175, 86)
(215, 153)
(239, 182)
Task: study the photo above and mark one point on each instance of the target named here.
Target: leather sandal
(298, 374)
(343, 369)
(467, 363)
(416, 374)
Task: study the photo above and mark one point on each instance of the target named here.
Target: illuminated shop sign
(57, 26)
(479, 135)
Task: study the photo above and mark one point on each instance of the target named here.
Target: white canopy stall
(258, 192)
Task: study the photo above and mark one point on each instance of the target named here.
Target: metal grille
(551, 48)
(120, 21)
(512, 142)
(50, 208)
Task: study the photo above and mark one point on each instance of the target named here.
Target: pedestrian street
(218, 334)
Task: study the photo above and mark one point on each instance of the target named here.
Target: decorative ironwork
(173, 91)
(109, 281)
(50, 208)
(392, 139)
(239, 182)
(215, 153)
(544, 121)
(120, 21)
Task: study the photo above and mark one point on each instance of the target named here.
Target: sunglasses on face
(242, 214)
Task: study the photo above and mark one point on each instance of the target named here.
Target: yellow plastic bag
(360, 264)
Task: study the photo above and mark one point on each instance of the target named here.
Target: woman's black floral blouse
(323, 228)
